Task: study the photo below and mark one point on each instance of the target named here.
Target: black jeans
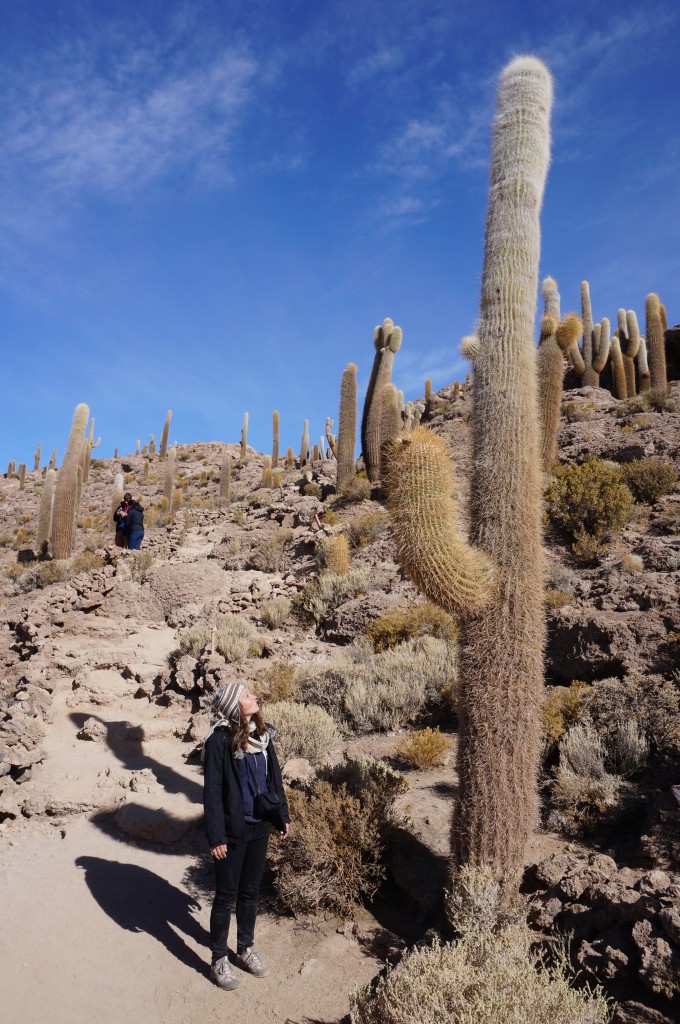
(237, 883)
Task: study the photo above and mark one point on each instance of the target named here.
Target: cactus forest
(456, 599)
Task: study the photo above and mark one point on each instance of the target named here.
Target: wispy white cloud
(411, 368)
(385, 61)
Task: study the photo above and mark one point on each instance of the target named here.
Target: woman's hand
(219, 852)
(284, 835)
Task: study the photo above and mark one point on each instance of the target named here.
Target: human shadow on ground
(140, 901)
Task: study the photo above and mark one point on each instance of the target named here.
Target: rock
(143, 781)
(549, 872)
(637, 1013)
(626, 905)
(542, 915)
(93, 729)
(660, 963)
(308, 966)
(669, 919)
(660, 842)
(186, 674)
(199, 727)
(653, 882)
(23, 775)
(608, 959)
(9, 808)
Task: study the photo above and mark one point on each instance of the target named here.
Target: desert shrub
(331, 859)
(274, 611)
(364, 528)
(425, 748)
(365, 691)
(588, 498)
(631, 563)
(87, 561)
(356, 489)
(22, 537)
(270, 555)
(563, 708)
(239, 516)
(587, 548)
(577, 412)
(660, 400)
(324, 594)
(373, 783)
(236, 638)
(302, 730)
(6, 539)
(485, 978)
(313, 490)
(278, 681)
(583, 787)
(649, 479)
(333, 553)
(330, 517)
(140, 563)
(557, 598)
(394, 627)
(651, 701)
(35, 576)
(627, 749)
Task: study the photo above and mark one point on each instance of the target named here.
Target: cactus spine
(65, 496)
(643, 366)
(304, 445)
(45, 514)
(275, 441)
(347, 431)
(225, 478)
(244, 440)
(22, 475)
(36, 457)
(169, 481)
(656, 350)
(165, 435)
(387, 339)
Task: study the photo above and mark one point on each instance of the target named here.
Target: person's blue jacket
(135, 518)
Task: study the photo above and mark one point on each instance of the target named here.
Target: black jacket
(135, 517)
(222, 794)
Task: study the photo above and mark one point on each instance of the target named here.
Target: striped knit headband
(226, 702)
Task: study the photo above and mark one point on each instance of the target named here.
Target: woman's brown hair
(239, 739)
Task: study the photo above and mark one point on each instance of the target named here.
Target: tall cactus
(36, 457)
(165, 435)
(656, 346)
(370, 390)
(275, 439)
(290, 459)
(392, 425)
(22, 476)
(169, 481)
(118, 491)
(152, 446)
(88, 445)
(643, 366)
(501, 689)
(45, 514)
(225, 478)
(591, 359)
(556, 340)
(244, 440)
(387, 339)
(304, 445)
(138, 447)
(629, 343)
(331, 438)
(266, 480)
(618, 369)
(347, 432)
(53, 459)
(145, 474)
(66, 491)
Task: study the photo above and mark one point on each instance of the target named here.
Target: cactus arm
(604, 345)
(430, 547)
(656, 351)
(331, 438)
(469, 347)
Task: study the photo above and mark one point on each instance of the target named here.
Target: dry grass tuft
(425, 748)
(333, 553)
(302, 730)
(270, 555)
(397, 626)
(562, 708)
(368, 526)
(274, 611)
(236, 638)
(278, 681)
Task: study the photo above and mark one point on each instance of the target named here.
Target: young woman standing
(240, 765)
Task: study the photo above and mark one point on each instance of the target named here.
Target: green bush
(394, 627)
(562, 708)
(649, 479)
(590, 498)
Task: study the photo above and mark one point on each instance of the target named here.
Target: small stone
(92, 729)
(653, 882)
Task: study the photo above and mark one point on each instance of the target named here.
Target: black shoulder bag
(266, 805)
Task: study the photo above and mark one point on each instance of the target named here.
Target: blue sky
(208, 206)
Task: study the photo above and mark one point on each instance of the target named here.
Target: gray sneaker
(222, 974)
(250, 961)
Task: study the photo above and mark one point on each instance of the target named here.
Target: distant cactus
(629, 342)
(501, 665)
(118, 491)
(322, 447)
(400, 399)
(45, 514)
(418, 410)
(115, 453)
(315, 453)
(266, 480)
(36, 457)
(145, 474)
(656, 350)
(391, 424)
(428, 393)
(346, 442)
(53, 459)
(664, 318)
(590, 360)
(165, 435)
(618, 370)
(66, 492)
(11, 469)
(138, 448)
(304, 445)
(275, 440)
(22, 476)
(377, 345)
(225, 478)
(387, 340)
(152, 445)
(169, 481)
(88, 445)
(407, 417)
(549, 372)
(290, 459)
(244, 440)
(456, 390)
(331, 438)
(643, 366)
(277, 477)
(468, 381)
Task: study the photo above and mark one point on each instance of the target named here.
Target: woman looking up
(242, 797)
